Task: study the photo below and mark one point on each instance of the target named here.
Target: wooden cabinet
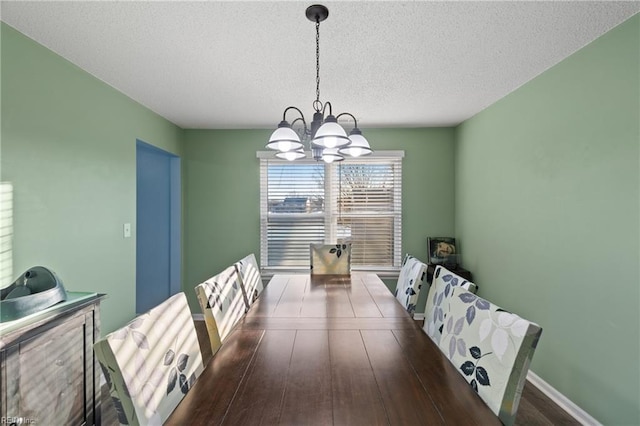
(48, 372)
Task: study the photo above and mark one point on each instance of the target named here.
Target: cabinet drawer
(49, 381)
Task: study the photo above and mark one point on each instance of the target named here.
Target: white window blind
(6, 233)
(356, 200)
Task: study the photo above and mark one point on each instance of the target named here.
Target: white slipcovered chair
(412, 276)
(330, 259)
(151, 363)
(250, 278)
(443, 282)
(222, 302)
(491, 348)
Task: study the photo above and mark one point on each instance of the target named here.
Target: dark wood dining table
(323, 350)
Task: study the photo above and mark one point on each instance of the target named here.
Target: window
(6, 234)
(356, 200)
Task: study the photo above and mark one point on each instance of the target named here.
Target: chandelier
(326, 138)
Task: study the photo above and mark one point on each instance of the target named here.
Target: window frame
(330, 207)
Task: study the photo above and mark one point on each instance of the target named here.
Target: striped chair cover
(151, 363)
(222, 303)
(250, 278)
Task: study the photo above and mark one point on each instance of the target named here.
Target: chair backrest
(250, 278)
(330, 259)
(491, 348)
(151, 363)
(222, 303)
(412, 275)
(444, 281)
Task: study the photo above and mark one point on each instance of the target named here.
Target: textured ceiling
(239, 64)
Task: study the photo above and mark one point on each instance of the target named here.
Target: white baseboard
(418, 316)
(198, 317)
(565, 403)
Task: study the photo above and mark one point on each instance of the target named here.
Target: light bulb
(290, 155)
(330, 142)
(356, 151)
(328, 158)
(284, 146)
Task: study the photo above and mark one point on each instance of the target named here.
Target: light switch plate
(127, 230)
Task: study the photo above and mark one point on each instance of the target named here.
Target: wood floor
(535, 407)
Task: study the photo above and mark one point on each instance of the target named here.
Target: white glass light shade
(284, 139)
(331, 135)
(329, 155)
(359, 146)
(291, 155)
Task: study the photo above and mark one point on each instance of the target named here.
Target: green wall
(542, 187)
(68, 148)
(222, 182)
(547, 207)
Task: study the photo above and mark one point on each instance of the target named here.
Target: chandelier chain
(318, 61)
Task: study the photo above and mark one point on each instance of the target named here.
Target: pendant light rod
(284, 114)
(355, 122)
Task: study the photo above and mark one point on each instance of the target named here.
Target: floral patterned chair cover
(151, 363)
(492, 349)
(223, 304)
(444, 281)
(330, 259)
(250, 279)
(410, 280)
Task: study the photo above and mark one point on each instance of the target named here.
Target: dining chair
(222, 303)
(250, 279)
(330, 259)
(412, 275)
(491, 348)
(443, 282)
(151, 363)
